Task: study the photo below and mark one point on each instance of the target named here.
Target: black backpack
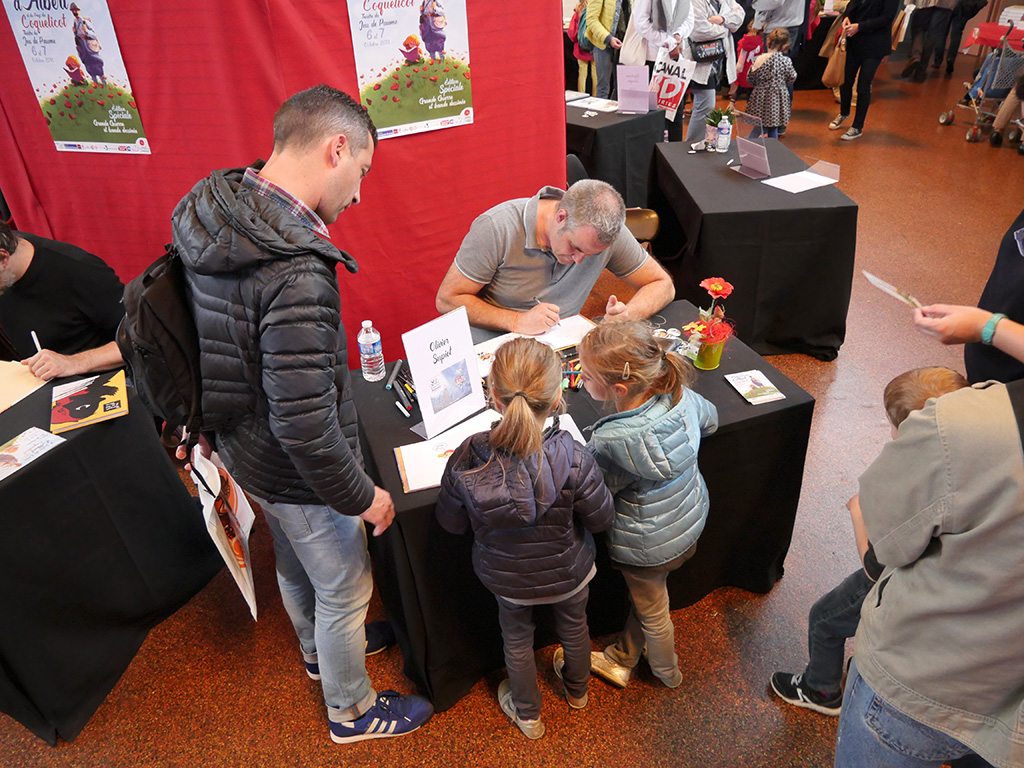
(160, 346)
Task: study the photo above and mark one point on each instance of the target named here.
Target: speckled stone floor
(212, 688)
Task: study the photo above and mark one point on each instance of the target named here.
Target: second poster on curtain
(412, 58)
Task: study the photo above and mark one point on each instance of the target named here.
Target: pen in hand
(35, 340)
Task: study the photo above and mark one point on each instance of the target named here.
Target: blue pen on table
(394, 374)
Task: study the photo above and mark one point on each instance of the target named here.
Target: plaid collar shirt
(288, 201)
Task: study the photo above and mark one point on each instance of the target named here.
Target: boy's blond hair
(912, 389)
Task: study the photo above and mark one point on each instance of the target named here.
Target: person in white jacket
(712, 20)
(664, 24)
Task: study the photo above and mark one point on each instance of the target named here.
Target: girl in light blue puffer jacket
(647, 450)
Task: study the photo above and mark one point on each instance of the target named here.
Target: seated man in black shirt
(71, 299)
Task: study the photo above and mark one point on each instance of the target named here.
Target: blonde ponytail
(526, 378)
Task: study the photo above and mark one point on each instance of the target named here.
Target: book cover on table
(88, 401)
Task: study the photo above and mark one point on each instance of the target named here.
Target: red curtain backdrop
(208, 77)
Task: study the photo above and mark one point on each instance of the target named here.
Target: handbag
(93, 45)
(634, 48)
(707, 50)
(835, 70)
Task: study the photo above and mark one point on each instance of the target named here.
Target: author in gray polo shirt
(525, 263)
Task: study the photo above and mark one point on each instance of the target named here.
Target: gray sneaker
(850, 135)
(532, 729)
(837, 122)
(608, 670)
(558, 662)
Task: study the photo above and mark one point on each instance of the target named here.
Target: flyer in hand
(89, 401)
(892, 290)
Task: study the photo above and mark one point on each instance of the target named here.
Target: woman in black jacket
(868, 32)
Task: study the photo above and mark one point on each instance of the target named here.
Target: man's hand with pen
(540, 319)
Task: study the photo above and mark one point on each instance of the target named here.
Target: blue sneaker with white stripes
(394, 714)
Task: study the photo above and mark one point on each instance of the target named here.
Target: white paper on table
(422, 464)
(25, 448)
(16, 383)
(569, 332)
(599, 105)
(828, 7)
(634, 94)
(445, 371)
(574, 96)
(799, 182)
(229, 519)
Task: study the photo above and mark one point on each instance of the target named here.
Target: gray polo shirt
(501, 251)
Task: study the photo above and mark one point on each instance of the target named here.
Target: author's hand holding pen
(540, 319)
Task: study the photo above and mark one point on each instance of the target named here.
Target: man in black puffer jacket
(276, 384)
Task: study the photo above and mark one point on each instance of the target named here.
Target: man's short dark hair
(8, 238)
(593, 203)
(320, 111)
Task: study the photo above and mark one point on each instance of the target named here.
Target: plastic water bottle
(370, 355)
(724, 134)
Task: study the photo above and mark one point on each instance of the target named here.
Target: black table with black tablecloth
(447, 622)
(616, 148)
(100, 542)
(789, 256)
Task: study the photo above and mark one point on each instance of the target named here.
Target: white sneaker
(608, 670)
(558, 662)
(837, 122)
(532, 729)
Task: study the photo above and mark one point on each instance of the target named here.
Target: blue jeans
(603, 62)
(703, 102)
(833, 618)
(323, 571)
(874, 735)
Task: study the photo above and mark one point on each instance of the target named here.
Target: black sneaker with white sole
(792, 689)
(850, 135)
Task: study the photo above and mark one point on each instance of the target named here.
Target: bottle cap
(367, 323)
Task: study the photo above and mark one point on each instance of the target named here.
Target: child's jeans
(517, 628)
(833, 618)
(649, 622)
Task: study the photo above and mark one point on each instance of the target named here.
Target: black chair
(574, 170)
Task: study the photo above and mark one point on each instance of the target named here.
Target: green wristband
(990, 328)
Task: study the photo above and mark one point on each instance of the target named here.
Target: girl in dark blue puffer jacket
(532, 497)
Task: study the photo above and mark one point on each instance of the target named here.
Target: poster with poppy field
(412, 58)
(74, 64)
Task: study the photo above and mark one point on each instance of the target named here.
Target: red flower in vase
(716, 287)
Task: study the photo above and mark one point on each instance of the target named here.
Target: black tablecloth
(100, 542)
(446, 621)
(616, 148)
(789, 256)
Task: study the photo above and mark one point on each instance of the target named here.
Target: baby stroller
(995, 78)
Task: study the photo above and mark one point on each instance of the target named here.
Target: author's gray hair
(593, 203)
